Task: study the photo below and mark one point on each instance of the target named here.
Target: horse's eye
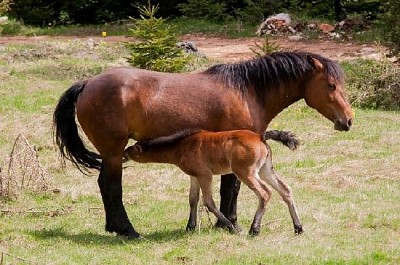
(332, 86)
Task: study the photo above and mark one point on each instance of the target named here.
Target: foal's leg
(229, 192)
(268, 174)
(111, 192)
(205, 182)
(263, 193)
(193, 202)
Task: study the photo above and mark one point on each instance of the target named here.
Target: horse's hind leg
(193, 202)
(268, 174)
(110, 184)
(205, 182)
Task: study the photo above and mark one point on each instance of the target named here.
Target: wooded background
(49, 12)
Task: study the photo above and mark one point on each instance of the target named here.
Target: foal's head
(324, 92)
(135, 153)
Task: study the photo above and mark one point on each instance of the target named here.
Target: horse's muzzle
(343, 125)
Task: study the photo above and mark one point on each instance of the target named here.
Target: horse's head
(324, 92)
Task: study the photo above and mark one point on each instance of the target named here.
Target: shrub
(156, 46)
(391, 25)
(265, 48)
(372, 84)
(205, 9)
(5, 6)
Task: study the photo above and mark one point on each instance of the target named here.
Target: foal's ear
(316, 64)
(137, 148)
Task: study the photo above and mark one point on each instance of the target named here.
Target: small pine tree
(5, 6)
(156, 46)
(265, 48)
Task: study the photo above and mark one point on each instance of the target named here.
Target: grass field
(346, 185)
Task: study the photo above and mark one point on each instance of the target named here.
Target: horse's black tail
(285, 137)
(66, 131)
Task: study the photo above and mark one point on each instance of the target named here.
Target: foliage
(206, 9)
(265, 48)
(373, 84)
(391, 24)
(5, 6)
(156, 46)
(255, 11)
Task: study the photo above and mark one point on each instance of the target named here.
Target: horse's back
(123, 103)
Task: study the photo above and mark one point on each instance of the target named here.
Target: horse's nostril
(350, 122)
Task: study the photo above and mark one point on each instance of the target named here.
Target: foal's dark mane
(271, 71)
(166, 141)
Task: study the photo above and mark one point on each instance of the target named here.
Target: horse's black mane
(166, 141)
(269, 71)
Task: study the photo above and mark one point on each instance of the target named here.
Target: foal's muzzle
(341, 125)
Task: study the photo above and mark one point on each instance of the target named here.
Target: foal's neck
(160, 155)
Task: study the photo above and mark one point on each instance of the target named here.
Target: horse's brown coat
(125, 103)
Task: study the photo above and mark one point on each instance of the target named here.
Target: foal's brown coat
(204, 154)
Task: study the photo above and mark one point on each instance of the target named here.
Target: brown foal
(202, 154)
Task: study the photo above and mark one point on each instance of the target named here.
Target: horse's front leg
(229, 192)
(110, 184)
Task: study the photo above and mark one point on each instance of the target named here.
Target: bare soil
(230, 50)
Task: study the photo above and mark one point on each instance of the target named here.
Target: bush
(265, 48)
(205, 9)
(156, 48)
(372, 84)
(391, 25)
(5, 6)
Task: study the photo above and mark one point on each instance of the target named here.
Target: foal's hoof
(298, 230)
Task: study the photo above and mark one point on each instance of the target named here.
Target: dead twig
(24, 170)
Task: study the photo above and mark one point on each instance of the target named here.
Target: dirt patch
(231, 50)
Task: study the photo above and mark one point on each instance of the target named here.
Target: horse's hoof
(232, 229)
(190, 228)
(254, 231)
(298, 230)
(135, 235)
(128, 232)
(236, 227)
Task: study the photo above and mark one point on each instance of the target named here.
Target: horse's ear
(316, 64)
(138, 148)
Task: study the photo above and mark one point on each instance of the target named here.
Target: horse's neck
(280, 99)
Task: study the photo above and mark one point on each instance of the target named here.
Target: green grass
(346, 185)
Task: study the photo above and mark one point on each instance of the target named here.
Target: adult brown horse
(125, 103)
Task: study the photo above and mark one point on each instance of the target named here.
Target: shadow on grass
(86, 238)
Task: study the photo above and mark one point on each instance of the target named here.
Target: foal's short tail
(285, 137)
(66, 131)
